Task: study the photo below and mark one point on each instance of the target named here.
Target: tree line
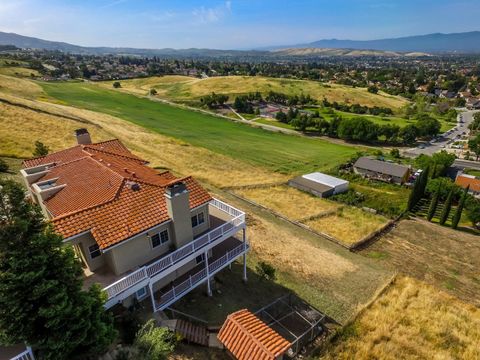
(360, 128)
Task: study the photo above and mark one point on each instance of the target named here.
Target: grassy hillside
(183, 88)
(278, 152)
(411, 321)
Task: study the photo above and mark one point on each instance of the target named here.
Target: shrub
(117, 84)
(40, 149)
(153, 92)
(3, 166)
(395, 153)
(266, 271)
(351, 197)
(155, 343)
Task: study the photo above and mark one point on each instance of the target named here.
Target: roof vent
(132, 185)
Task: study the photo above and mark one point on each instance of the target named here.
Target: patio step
(192, 333)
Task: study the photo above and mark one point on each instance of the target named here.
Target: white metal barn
(320, 184)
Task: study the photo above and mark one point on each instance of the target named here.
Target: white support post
(244, 255)
(151, 296)
(209, 290)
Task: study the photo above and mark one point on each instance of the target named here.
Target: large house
(381, 170)
(137, 231)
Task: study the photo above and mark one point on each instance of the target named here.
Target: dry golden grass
(21, 127)
(326, 275)
(412, 320)
(20, 87)
(349, 225)
(288, 201)
(186, 88)
(18, 71)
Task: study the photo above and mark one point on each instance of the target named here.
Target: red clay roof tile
(464, 181)
(247, 337)
(97, 197)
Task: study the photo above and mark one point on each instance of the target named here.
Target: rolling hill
(466, 42)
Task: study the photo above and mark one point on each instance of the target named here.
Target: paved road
(431, 148)
(466, 164)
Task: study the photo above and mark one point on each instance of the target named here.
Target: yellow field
(288, 201)
(20, 87)
(18, 71)
(348, 225)
(183, 88)
(412, 321)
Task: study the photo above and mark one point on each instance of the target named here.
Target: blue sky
(231, 24)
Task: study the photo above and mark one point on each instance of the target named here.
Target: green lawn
(278, 152)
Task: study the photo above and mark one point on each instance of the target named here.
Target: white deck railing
(26, 355)
(169, 261)
(193, 281)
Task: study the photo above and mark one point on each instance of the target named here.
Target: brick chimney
(83, 137)
(178, 207)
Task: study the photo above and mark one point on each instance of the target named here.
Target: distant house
(319, 184)
(464, 180)
(381, 170)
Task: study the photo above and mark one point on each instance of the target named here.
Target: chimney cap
(81, 131)
(176, 189)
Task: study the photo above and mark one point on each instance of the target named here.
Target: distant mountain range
(468, 42)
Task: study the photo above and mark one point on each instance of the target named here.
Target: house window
(140, 294)
(198, 219)
(200, 258)
(159, 239)
(94, 251)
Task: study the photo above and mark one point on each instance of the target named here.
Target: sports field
(277, 152)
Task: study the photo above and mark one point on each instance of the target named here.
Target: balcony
(228, 220)
(222, 255)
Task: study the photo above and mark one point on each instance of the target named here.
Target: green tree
(117, 84)
(474, 145)
(41, 298)
(155, 343)
(40, 149)
(461, 205)
(409, 134)
(446, 208)
(372, 89)
(433, 205)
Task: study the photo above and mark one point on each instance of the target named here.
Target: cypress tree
(446, 208)
(433, 204)
(423, 182)
(458, 213)
(42, 302)
(412, 199)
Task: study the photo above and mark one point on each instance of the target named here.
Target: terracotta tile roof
(98, 196)
(463, 181)
(247, 337)
(114, 147)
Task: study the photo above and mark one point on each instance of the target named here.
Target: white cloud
(210, 15)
